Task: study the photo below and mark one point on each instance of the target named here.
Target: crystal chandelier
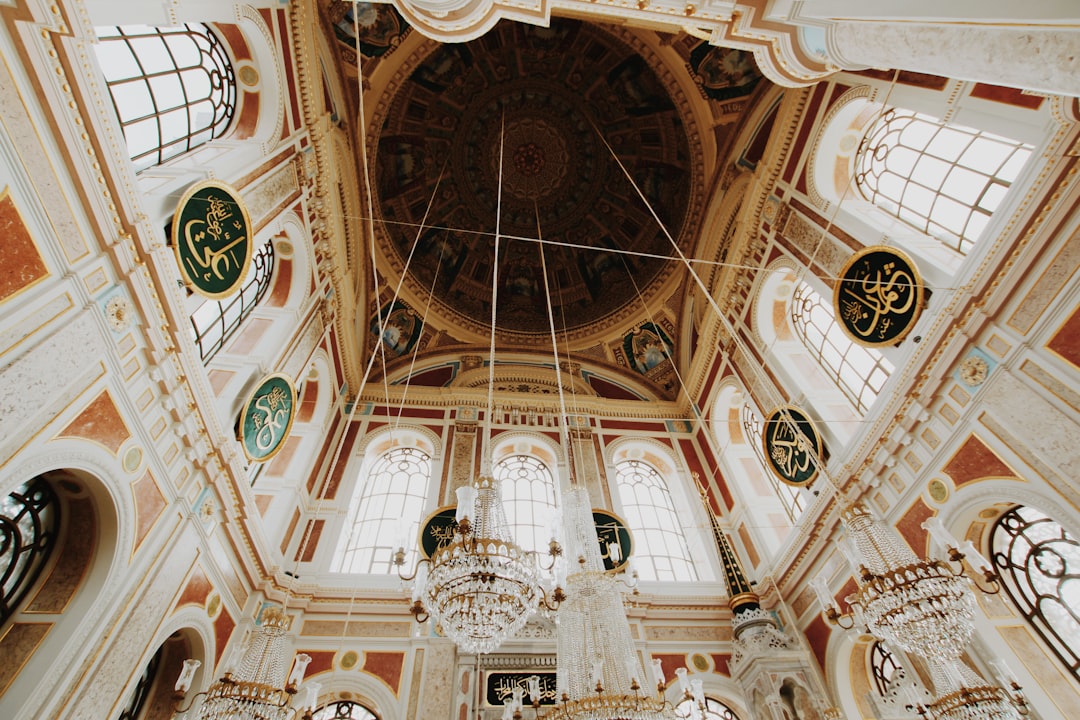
(481, 588)
(255, 687)
(599, 674)
(922, 606)
(963, 695)
(925, 607)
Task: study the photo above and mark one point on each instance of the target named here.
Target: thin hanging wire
(485, 456)
(564, 420)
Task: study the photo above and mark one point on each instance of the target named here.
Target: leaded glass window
(387, 509)
(859, 372)
(215, 321)
(659, 542)
(713, 710)
(1039, 564)
(790, 497)
(173, 88)
(883, 668)
(945, 180)
(29, 522)
(344, 710)
(528, 496)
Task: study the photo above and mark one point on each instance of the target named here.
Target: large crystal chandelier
(600, 676)
(481, 588)
(921, 606)
(255, 688)
(925, 607)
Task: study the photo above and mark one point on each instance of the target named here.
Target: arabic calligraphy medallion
(612, 530)
(211, 235)
(267, 417)
(500, 687)
(437, 530)
(792, 445)
(879, 296)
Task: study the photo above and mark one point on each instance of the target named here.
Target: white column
(1040, 59)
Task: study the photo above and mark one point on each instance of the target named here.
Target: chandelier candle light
(254, 685)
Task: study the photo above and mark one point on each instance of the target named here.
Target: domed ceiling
(554, 96)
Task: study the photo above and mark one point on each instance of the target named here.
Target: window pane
(660, 545)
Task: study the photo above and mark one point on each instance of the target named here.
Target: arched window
(215, 321)
(134, 708)
(660, 545)
(790, 496)
(388, 506)
(29, 521)
(859, 372)
(1039, 564)
(173, 88)
(343, 710)
(713, 710)
(528, 496)
(944, 180)
(883, 668)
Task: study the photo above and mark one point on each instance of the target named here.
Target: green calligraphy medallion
(211, 235)
(267, 417)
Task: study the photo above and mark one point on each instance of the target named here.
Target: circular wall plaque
(611, 529)
(267, 417)
(879, 296)
(211, 235)
(791, 445)
(438, 530)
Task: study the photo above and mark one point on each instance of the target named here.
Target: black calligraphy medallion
(437, 531)
(792, 446)
(616, 542)
(267, 417)
(879, 296)
(211, 235)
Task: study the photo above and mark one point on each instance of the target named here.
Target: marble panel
(100, 422)
(197, 590)
(79, 543)
(149, 504)
(387, 666)
(23, 265)
(438, 681)
(910, 526)
(974, 461)
(18, 643)
(1045, 669)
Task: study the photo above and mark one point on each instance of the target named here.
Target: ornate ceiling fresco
(554, 96)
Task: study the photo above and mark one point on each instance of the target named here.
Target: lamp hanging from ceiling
(482, 588)
(926, 608)
(254, 685)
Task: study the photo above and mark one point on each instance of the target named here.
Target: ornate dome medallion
(552, 96)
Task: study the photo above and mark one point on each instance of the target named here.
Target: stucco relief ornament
(119, 313)
(973, 371)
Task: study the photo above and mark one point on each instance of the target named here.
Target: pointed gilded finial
(742, 595)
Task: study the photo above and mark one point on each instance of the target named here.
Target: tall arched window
(387, 508)
(945, 180)
(883, 668)
(215, 321)
(791, 497)
(173, 88)
(713, 710)
(528, 496)
(660, 545)
(137, 702)
(29, 522)
(1039, 564)
(859, 372)
(344, 710)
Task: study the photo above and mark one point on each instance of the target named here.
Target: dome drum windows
(215, 321)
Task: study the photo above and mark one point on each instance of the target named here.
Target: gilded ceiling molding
(775, 45)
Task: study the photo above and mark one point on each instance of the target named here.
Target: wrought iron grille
(29, 522)
(215, 321)
(174, 88)
(1039, 564)
(344, 710)
(135, 705)
(883, 667)
(714, 710)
